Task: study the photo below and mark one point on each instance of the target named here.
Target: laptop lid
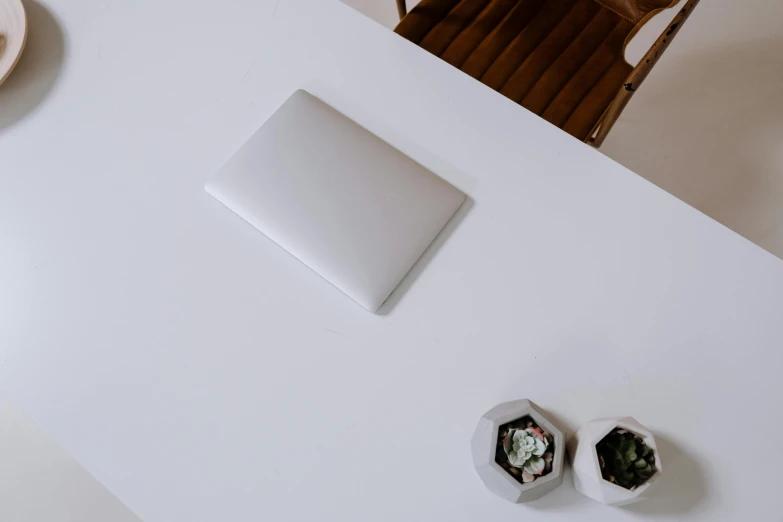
(345, 203)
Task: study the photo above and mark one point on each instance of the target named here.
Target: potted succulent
(615, 460)
(518, 452)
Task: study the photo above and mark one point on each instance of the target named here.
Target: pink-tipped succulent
(525, 449)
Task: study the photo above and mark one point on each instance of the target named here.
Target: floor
(707, 125)
(40, 482)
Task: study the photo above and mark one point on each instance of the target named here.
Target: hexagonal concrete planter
(484, 446)
(587, 471)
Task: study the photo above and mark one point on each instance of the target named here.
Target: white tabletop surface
(202, 374)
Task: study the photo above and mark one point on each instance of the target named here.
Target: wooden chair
(561, 59)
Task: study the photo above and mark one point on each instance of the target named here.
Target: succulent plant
(625, 459)
(525, 449)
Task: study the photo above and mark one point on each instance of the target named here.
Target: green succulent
(524, 448)
(625, 459)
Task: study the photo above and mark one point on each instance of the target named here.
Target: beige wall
(707, 125)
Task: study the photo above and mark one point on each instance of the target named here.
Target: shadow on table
(38, 68)
(563, 496)
(681, 489)
(425, 258)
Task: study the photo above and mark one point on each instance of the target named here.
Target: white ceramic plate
(13, 34)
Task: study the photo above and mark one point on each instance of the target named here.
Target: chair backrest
(636, 10)
(557, 58)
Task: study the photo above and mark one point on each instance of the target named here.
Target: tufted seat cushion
(561, 59)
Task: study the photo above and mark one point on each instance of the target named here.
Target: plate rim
(15, 60)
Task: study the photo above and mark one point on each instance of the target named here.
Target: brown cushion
(561, 59)
(635, 10)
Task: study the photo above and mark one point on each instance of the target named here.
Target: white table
(202, 374)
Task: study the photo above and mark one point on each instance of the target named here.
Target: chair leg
(609, 118)
(402, 9)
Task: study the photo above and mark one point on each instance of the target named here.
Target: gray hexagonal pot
(484, 444)
(586, 471)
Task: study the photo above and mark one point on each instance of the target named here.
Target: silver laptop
(337, 197)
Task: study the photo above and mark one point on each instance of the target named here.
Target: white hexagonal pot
(587, 471)
(484, 445)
